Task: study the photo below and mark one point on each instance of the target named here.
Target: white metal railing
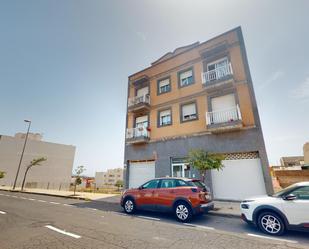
(139, 99)
(137, 132)
(218, 73)
(223, 116)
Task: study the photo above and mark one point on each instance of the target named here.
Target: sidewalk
(61, 193)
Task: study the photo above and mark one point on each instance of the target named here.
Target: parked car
(182, 196)
(285, 210)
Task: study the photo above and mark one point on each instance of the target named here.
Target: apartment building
(199, 96)
(55, 173)
(110, 177)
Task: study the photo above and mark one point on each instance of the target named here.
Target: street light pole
(22, 154)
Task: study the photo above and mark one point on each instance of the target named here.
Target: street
(37, 221)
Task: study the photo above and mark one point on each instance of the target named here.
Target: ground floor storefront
(245, 172)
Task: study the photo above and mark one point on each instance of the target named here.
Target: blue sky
(64, 65)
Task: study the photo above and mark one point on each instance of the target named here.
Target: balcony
(224, 120)
(139, 103)
(138, 135)
(220, 76)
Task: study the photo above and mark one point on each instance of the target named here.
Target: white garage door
(140, 173)
(238, 180)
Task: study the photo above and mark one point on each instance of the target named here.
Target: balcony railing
(223, 116)
(137, 133)
(217, 74)
(144, 99)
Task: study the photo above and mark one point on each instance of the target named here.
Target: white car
(285, 210)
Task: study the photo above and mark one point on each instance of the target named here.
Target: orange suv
(182, 196)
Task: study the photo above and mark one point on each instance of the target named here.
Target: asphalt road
(36, 221)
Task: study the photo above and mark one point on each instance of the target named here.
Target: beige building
(110, 177)
(55, 173)
(306, 153)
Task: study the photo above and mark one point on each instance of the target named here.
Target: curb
(55, 195)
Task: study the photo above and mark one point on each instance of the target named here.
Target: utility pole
(22, 154)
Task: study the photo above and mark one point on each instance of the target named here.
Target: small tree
(34, 162)
(78, 180)
(119, 184)
(2, 174)
(203, 161)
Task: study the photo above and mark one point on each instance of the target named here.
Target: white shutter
(223, 103)
(188, 110)
(186, 74)
(165, 113)
(142, 119)
(143, 91)
(164, 82)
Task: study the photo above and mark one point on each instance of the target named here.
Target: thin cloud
(302, 91)
(272, 79)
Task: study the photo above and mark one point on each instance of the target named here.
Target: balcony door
(141, 124)
(218, 69)
(223, 109)
(142, 91)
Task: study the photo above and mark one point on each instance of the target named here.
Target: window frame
(183, 71)
(158, 85)
(159, 117)
(181, 112)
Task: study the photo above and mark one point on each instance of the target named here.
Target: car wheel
(183, 212)
(271, 223)
(129, 206)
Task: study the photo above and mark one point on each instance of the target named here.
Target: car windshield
(283, 191)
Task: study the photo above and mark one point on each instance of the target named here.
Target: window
(151, 184)
(181, 183)
(218, 69)
(165, 117)
(301, 193)
(164, 85)
(188, 112)
(141, 121)
(186, 78)
(168, 183)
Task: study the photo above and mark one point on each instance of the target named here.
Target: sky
(64, 64)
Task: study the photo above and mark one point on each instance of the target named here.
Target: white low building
(55, 173)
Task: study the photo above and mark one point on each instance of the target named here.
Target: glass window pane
(151, 184)
(168, 183)
(301, 193)
(177, 171)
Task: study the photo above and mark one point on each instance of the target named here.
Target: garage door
(238, 180)
(140, 173)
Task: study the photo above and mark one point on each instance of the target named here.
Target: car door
(166, 194)
(297, 210)
(145, 198)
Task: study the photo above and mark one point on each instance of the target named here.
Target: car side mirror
(140, 188)
(289, 197)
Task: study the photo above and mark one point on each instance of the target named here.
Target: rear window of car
(198, 184)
